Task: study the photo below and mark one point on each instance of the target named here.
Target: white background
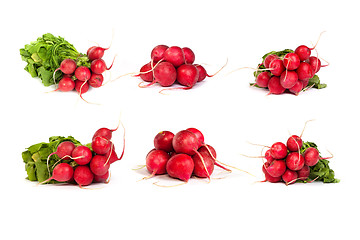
(224, 108)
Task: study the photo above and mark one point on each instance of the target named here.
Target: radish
(304, 172)
(157, 53)
(186, 142)
(67, 66)
(66, 84)
(200, 164)
(315, 63)
(288, 79)
(90, 48)
(202, 72)
(82, 73)
(156, 161)
(104, 132)
(276, 168)
(275, 86)
(83, 175)
(269, 58)
(146, 73)
(268, 177)
(96, 80)
(111, 155)
(81, 155)
(187, 75)
(296, 89)
(291, 61)
(198, 135)
(189, 55)
(81, 87)
(101, 145)
(278, 150)
(262, 79)
(180, 166)
(295, 161)
(289, 176)
(206, 149)
(99, 165)
(98, 66)
(165, 74)
(95, 53)
(174, 55)
(62, 172)
(305, 71)
(294, 143)
(311, 156)
(277, 67)
(64, 150)
(103, 178)
(268, 156)
(303, 52)
(163, 141)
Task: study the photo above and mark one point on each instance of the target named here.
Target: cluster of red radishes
(92, 165)
(291, 73)
(181, 155)
(172, 64)
(81, 78)
(286, 163)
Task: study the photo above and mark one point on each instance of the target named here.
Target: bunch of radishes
(182, 155)
(172, 64)
(81, 78)
(290, 72)
(92, 164)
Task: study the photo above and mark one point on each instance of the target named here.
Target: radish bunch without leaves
(289, 71)
(169, 65)
(72, 162)
(182, 155)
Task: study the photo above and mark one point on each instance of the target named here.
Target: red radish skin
(81, 155)
(269, 59)
(111, 155)
(103, 178)
(296, 89)
(96, 53)
(101, 145)
(156, 161)
(185, 142)
(289, 176)
(98, 66)
(303, 52)
(157, 53)
(96, 80)
(262, 80)
(163, 141)
(295, 161)
(174, 55)
(145, 74)
(83, 175)
(99, 165)
(315, 63)
(305, 71)
(268, 177)
(311, 156)
(66, 84)
(288, 79)
(278, 150)
(201, 163)
(305, 83)
(304, 172)
(202, 72)
(62, 172)
(67, 66)
(81, 87)
(90, 48)
(180, 166)
(294, 143)
(268, 156)
(275, 86)
(165, 74)
(189, 55)
(198, 135)
(204, 151)
(64, 150)
(276, 168)
(291, 61)
(82, 73)
(277, 67)
(104, 132)
(187, 75)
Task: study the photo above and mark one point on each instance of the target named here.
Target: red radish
(207, 150)
(81, 86)
(268, 177)
(82, 73)
(66, 84)
(111, 155)
(288, 79)
(277, 67)
(103, 178)
(289, 176)
(99, 165)
(81, 155)
(276, 168)
(295, 161)
(67, 66)
(146, 74)
(101, 145)
(304, 172)
(296, 89)
(315, 63)
(189, 55)
(202, 72)
(96, 53)
(90, 48)
(64, 150)
(303, 52)
(291, 61)
(268, 156)
(269, 58)
(165, 74)
(96, 80)
(185, 142)
(294, 143)
(104, 132)
(187, 75)
(275, 86)
(311, 156)
(278, 150)
(305, 71)
(198, 135)
(262, 79)
(200, 162)
(156, 161)
(83, 175)
(163, 141)
(174, 55)
(180, 166)
(98, 66)
(157, 53)
(62, 172)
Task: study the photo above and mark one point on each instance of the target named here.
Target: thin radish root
(167, 186)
